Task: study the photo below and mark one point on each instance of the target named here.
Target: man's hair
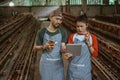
(82, 18)
(56, 13)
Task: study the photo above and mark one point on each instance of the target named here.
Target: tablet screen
(74, 49)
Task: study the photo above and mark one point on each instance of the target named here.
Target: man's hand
(49, 45)
(63, 48)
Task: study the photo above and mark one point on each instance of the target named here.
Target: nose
(79, 28)
(59, 21)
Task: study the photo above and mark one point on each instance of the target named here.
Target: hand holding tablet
(74, 49)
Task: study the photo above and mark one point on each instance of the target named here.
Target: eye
(57, 18)
(79, 26)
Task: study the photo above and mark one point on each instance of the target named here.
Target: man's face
(81, 27)
(56, 21)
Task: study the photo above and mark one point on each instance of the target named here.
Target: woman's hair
(82, 18)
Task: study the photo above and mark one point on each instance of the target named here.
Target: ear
(50, 17)
(87, 24)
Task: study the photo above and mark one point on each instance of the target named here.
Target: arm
(94, 47)
(67, 56)
(64, 40)
(47, 46)
(37, 48)
(70, 39)
(39, 40)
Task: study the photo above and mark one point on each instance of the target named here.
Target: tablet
(74, 49)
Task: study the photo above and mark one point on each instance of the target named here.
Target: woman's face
(81, 27)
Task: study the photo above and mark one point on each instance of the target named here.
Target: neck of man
(51, 28)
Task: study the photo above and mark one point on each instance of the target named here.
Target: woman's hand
(67, 56)
(87, 37)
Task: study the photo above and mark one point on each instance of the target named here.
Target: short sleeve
(95, 45)
(40, 35)
(64, 35)
(70, 39)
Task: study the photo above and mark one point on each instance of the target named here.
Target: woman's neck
(83, 33)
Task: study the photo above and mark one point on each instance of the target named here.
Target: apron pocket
(76, 75)
(77, 72)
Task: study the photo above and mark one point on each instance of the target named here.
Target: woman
(79, 67)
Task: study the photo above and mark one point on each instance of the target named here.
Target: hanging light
(11, 3)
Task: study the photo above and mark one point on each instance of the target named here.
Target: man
(52, 41)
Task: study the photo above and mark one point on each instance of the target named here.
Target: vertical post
(68, 6)
(116, 6)
(101, 9)
(106, 2)
(84, 6)
(46, 2)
